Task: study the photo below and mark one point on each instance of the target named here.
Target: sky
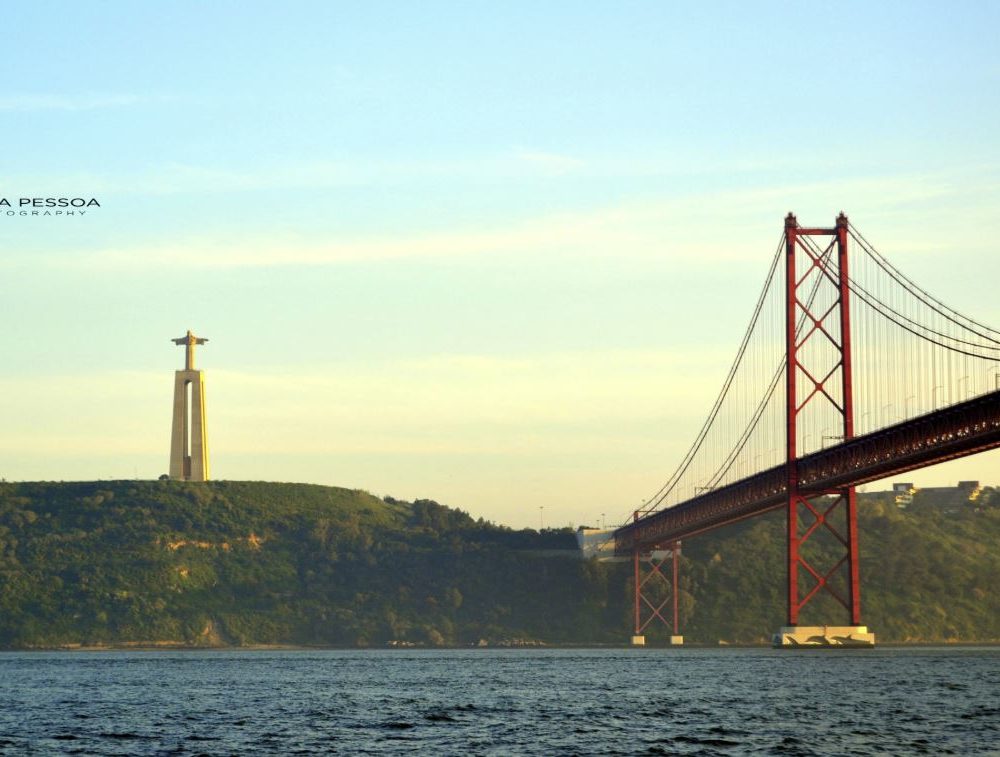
(499, 255)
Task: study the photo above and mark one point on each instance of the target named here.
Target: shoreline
(181, 647)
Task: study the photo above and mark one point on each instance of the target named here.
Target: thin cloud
(572, 232)
(93, 101)
(176, 178)
(682, 229)
(550, 163)
(513, 166)
(548, 403)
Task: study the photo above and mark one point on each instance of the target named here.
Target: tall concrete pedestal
(189, 435)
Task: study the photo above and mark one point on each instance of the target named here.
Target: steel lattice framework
(817, 487)
(816, 378)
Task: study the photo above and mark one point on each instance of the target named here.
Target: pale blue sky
(494, 254)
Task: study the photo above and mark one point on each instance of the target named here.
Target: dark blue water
(542, 702)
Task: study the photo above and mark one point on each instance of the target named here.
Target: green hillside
(926, 576)
(248, 563)
(240, 563)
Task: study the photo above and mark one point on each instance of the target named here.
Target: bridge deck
(956, 431)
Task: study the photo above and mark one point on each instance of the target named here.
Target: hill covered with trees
(244, 563)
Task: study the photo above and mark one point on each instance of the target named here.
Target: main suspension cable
(685, 463)
(915, 289)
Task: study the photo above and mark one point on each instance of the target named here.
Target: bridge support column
(638, 640)
(815, 289)
(652, 592)
(675, 639)
(839, 581)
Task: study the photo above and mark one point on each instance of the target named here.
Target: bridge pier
(648, 597)
(823, 636)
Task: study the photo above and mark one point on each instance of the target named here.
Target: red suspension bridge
(848, 372)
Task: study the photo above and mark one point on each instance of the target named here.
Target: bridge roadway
(952, 432)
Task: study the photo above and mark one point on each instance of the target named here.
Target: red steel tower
(818, 326)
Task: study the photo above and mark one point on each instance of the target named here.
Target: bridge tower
(652, 591)
(818, 371)
(189, 434)
(913, 343)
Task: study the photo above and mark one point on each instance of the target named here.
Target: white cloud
(90, 101)
(680, 229)
(175, 178)
(599, 232)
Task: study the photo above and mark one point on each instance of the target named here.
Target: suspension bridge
(848, 372)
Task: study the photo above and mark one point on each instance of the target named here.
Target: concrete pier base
(676, 641)
(823, 636)
(638, 641)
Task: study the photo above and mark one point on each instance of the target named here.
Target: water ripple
(502, 702)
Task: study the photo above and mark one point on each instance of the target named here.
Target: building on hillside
(597, 542)
(904, 494)
(950, 499)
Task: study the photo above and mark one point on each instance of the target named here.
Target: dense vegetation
(257, 563)
(927, 574)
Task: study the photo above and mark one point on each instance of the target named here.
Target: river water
(483, 701)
